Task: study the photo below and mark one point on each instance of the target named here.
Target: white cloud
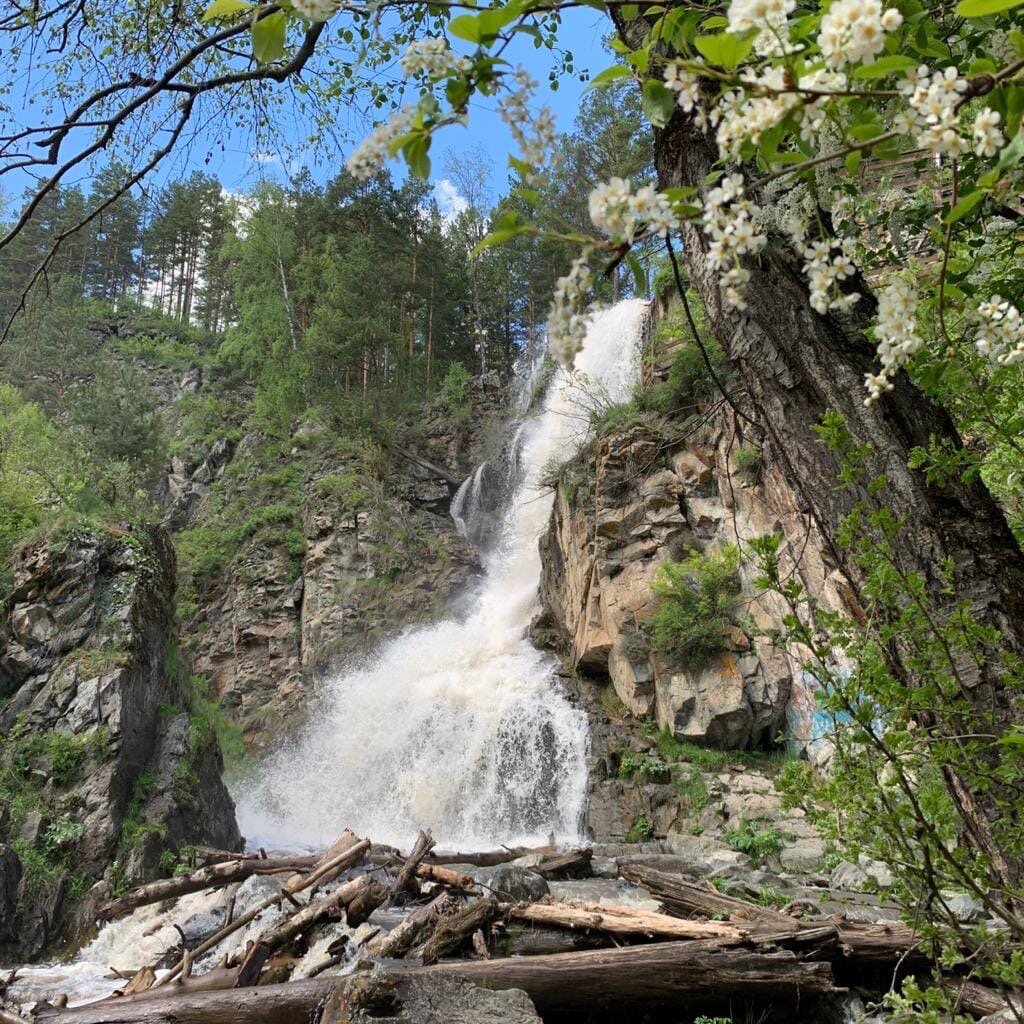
(450, 201)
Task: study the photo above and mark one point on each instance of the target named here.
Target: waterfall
(460, 727)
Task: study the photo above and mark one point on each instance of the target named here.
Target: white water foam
(459, 727)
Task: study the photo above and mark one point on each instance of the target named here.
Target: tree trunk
(794, 365)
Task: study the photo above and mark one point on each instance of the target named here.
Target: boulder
(708, 707)
(633, 682)
(803, 855)
(437, 999)
(511, 882)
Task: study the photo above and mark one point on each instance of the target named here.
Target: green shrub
(612, 703)
(693, 791)
(639, 763)
(757, 843)
(67, 754)
(747, 461)
(455, 388)
(640, 831)
(698, 598)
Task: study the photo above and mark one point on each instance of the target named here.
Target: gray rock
(436, 999)
(705, 855)
(803, 855)
(516, 883)
(865, 874)
(10, 876)
(965, 908)
(32, 828)
(709, 707)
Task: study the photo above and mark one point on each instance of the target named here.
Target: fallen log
(362, 894)
(634, 977)
(211, 876)
(452, 930)
(397, 942)
(343, 861)
(623, 921)
(684, 899)
(487, 858)
(446, 876)
(571, 864)
(882, 943)
(288, 1003)
(405, 880)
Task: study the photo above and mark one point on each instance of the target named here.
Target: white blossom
(896, 333)
(988, 139)
(934, 99)
(534, 133)
(315, 10)
(432, 57)
(374, 151)
(769, 17)
(826, 262)
(684, 84)
(853, 31)
(567, 319)
(731, 225)
(622, 213)
(1001, 335)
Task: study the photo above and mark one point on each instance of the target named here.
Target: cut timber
(295, 885)
(453, 929)
(661, 974)
(624, 921)
(405, 881)
(571, 864)
(209, 877)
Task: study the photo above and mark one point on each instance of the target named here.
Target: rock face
(107, 770)
(281, 616)
(648, 498)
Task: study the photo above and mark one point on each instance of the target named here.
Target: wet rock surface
(106, 778)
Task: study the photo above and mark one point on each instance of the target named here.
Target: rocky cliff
(653, 493)
(110, 768)
(303, 554)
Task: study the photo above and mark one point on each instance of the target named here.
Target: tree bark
(793, 365)
(662, 974)
(623, 921)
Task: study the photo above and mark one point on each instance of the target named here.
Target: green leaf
(416, 152)
(639, 274)
(983, 8)
(1011, 154)
(886, 66)
(863, 132)
(964, 207)
(658, 102)
(268, 37)
(457, 91)
(497, 237)
(853, 161)
(225, 9)
(466, 26)
(726, 49)
(609, 75)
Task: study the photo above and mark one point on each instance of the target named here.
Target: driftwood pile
(703, 946)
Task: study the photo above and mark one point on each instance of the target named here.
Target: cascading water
(459, 727)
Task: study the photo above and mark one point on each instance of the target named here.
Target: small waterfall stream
(458, 727)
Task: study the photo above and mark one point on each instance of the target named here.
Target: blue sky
(231, 154)
(584, 30)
